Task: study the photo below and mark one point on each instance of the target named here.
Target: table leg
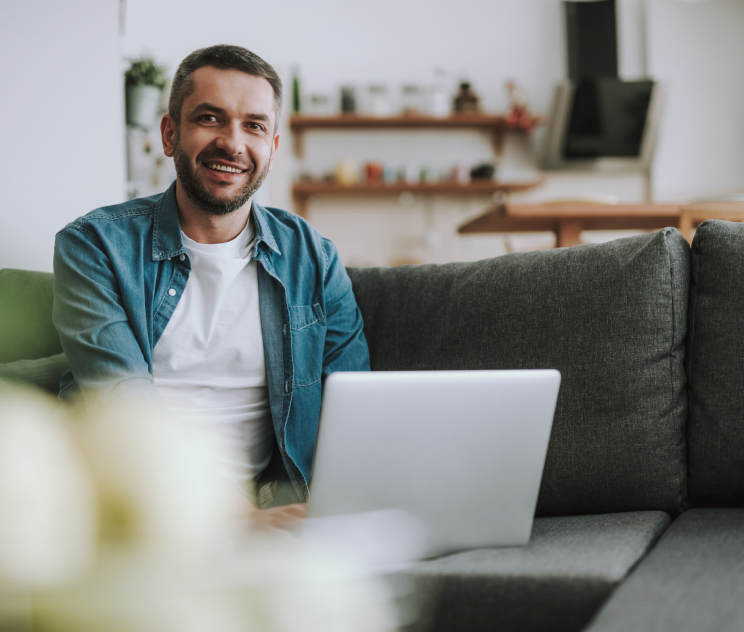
(568, 233)
(685, 225)
(301, 205)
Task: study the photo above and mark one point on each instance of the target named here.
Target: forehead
(232, 90)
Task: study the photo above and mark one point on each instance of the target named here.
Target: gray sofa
(639, 524)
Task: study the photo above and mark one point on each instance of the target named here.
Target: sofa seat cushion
(610, 317)
(693, 579)
(715, 365)
(556, 583)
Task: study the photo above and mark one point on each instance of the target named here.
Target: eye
(208, 118)
(256, 126)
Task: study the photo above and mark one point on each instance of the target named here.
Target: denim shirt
(120, 271)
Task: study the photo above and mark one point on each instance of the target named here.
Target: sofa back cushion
(610, 317)
(715, 365)
(26, 329)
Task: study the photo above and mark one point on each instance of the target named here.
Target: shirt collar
(166, 232)
(263, 231)
(166, 239)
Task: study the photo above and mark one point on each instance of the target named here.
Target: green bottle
(296, 101)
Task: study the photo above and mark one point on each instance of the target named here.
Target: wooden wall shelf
(347, 121)
(494, 123)
(303, 191)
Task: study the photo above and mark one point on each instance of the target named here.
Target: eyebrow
(208, 107)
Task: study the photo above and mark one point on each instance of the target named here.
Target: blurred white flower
(47, 511)
(114, 520)
(155, 487)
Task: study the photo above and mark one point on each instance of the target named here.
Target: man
(230, 314)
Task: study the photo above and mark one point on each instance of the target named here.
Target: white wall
(696, 49)
(337, 42)
(388, 41)
(61, 111)
(63, 138)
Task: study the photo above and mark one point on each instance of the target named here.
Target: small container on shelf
(466, 101)
(390, 174)
(296, 94)
(379, 103)
(461, 173)
(347, 172)
(439, 95)
(483, 171)
(411, 173)
(348, 100)
(429, 175)
(410, 100)
(320, 105)
(438, 101)
(374, 172)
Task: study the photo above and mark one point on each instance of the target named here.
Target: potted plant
(144, 82)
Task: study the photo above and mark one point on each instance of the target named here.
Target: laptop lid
(462, 452)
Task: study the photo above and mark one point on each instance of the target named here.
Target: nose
(230, 139)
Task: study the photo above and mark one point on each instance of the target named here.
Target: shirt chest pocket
(308, 327)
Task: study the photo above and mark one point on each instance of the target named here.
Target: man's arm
(345, 344)
(104, 354)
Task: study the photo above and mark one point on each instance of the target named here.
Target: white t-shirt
(209, 363)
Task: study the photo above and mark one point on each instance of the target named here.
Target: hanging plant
(145, 72)
(144, 81)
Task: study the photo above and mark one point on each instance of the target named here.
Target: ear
(273, 151)
(167, 132)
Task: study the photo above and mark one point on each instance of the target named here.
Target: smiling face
(224, 146)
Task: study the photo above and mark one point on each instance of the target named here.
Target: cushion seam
(674, 335)
(681, 491)
(691, 338)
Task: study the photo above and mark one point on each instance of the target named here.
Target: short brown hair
(225, 57)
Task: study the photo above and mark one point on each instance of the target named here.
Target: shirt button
(182, 257)
(172, 292)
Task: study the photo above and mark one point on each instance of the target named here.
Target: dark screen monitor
(603, 122)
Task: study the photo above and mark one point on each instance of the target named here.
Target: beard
(199, 195)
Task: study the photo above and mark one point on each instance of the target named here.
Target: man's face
(224, 146)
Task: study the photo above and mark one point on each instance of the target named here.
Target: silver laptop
(460, 452)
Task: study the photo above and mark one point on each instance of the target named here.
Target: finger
(299, 510)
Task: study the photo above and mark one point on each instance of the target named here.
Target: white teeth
(224, 168)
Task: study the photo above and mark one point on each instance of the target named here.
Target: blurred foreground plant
(112, 520)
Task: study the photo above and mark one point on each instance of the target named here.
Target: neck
(206, 228)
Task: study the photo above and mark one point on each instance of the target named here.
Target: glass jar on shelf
(379, 103)
(410, 100)
(320, 105)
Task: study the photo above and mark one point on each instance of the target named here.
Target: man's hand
(285, 517)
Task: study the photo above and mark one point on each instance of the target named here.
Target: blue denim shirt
(120, 271)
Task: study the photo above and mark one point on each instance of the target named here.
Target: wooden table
(568, 219)
(692, 215)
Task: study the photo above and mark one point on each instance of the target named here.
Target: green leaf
(145, 72)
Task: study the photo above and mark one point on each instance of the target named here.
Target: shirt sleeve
(105, 357)
(345, 345)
